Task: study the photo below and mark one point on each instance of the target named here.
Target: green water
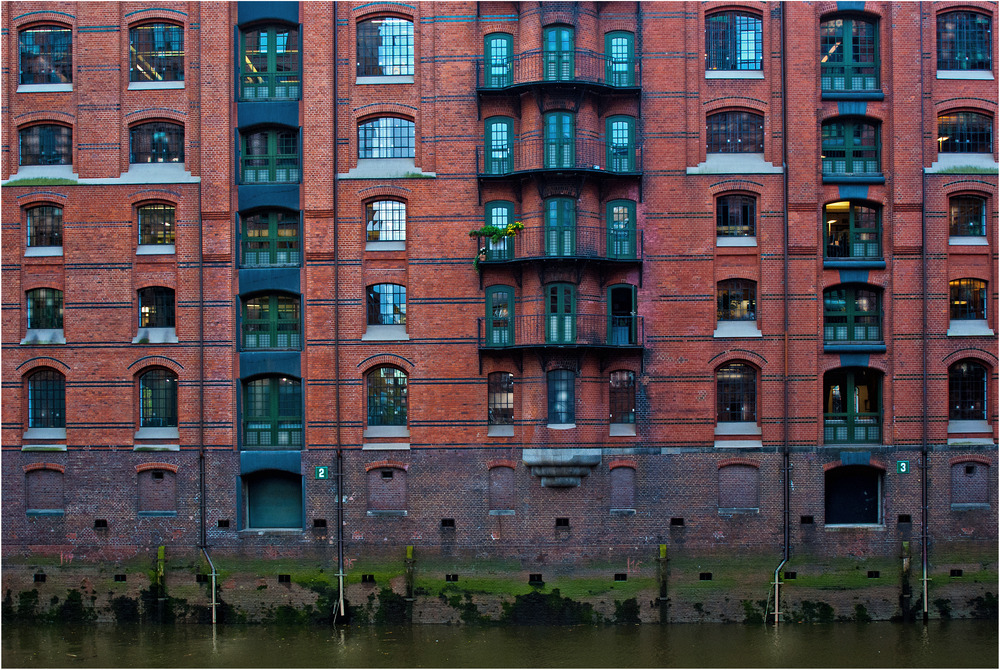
(949, 644)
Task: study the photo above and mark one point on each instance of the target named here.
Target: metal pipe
(924, 451)
(214, 576)
(336, 335)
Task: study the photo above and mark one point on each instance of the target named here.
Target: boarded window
(502, 488)
(157, 491)
(274, 500)
(738, 487)
(970, 483)
(623, 488)
(386, 489)
(44, 491)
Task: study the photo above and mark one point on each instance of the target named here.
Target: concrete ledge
(737, 428)
(854, 526)
(971, 442)
(561, 456)
(154, 85)
(734, 74)
(984, 75)
(37, 336)
(867, 178)
(44, 88)
(736, 329)
(154, 249)
(621, 430)
(748, 163)
(967, 241)
(156, 433)
(155, 336)
(969, 426)
(958, 163)
(43, 172)
(739, 444)
(732, 511)
(385, 168)
(387, 512)
(623, 512)
(735, 241)
(44, 512)
(968, 507)
(501, 512)
(969, 328)
(44, 434)
(500, 431)
(155, 514)
(386, 431)
(36, 252)
(385, 333)
(560, 426)
(385, 79)
(156, 447)
(385, 446)
(385, 246)
(43, 447)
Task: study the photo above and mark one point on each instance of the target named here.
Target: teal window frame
(849, 58)
(270, 155)
(852, 313)
(270, 238)
(498, 60)
(46, 399)
(851, 147)
(271, 321)
(272, 413)
(560, 226)
(560, 313)
(45, 308)
(619, 58)
(621, 229)
(620, 137)
(158, 398)
(859, 237)
(271, 70)
(967, 216)
(560, 139)
(500, 213)
(852, 406)
(499, 135)
(558, 56)
(387, 396)
(273, 500)
(500, 310)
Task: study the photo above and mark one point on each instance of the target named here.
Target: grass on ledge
(42, 181)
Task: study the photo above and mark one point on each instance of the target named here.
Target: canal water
(938, 644)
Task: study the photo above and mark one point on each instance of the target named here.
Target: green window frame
(560, 314)
(46, 55)
(733, 41)
(270, 68)
(736, 393)
(46, 144)
(156, 52)
(156, 142)
(621, 228)
(45, 309)
(852, 313)
(852, 230)
(561, 387)
(619, 58)
(269, 156)
(560, 139)
(158, 399)
(157, 223)
(851, 147)
(272, 413)
(852, 406)
(46, 399)
(965, 133)
(967, 298)
(968, 382)
(387, 397)
(620, 135)
(156, 307)
(45, 226)
(967, 216)
(499, 134)
(623, 322)
(271, 322)
(560, 226)
(964, 41)
(848, 49)
(557, 53)
(385, 47)
(500, 213)
(270, 238)
(498, 49)
(499, 316)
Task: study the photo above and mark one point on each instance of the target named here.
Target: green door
(557, 52)
(559, 140)
(622, 320)
(620, 134)
(560, 227)
(560, 311)
(621, 229)
(619, 57)
(499, 316)
(499, 213)
(499, 133)
(274, 500)
(499, 60)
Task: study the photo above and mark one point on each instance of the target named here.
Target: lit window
(157, 142)
(385, 47)
(853, 230)
(965, 133)
(964, 41)
(46, 55)
(157, 224)
(737, 300)
(733, 41)
(269, 67)
(156, 52)
(736, 216)
(386, 137)
(968, 299)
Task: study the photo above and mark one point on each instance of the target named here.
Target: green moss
(417, 175)
(549, 609)
(627, 611)
(966, 169)
(41, 181)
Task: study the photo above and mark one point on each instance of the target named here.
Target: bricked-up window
(502, 488)
(965, 133)
(852, 406)
(735, 132)
(619, 58)
(736, 216)
(499, 316)
(43, 491)
(387, 397)
(157, 142)
(736, 391)
(272, 413)
(848, 54)
(269, 63)
(622, 240)
(852, 313)
(850, 147)
(621, 396)
(562, 396)
(158, 399)
(385, 47)
(737, 300)
(499, 59)
(270, 155)
(499, 134)
(967, 380)
(271, 322)
(45, 308)
(157, 224)
(157, 491)
(46, 144)
(739, 487)
(970, 483)
(499, 213)
(967, 216)
(386, 221)
(274, 499)
(46, 399)
(852, 230)
(386, 489)
(156, 307)
(622, 488)
(964, 41)
(45, 226)
(558, 53)
(386, 137)
(560, 226)
(500, 398)
(853, 495)
(386, 305)
(46, 55)
(156, 52)
(968, 299)
(270, 238)
(733, 41)
(560, 139)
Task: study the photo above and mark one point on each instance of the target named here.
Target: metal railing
(621, 244)
(533, 67)
(554, 330)
(575, 154)
(852, 427)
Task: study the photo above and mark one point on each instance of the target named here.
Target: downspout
(786, 470)
(336, 336)
(924, 451)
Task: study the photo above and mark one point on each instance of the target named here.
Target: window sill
(43, 447)
(386, 168)
(156, 514)
(44, 88)
(969, 426)
(737, 428)
(736, 329)
(561, 426)
(985, 75)
(385, 246)
(969, 328)
(149, 433)
(44, 434)
(387, 512)
(849, 526)
(857, 347)
(382, 333)
(156, 336)
(871, 178)
(748, 163)
(272, 531)
(735, 241)
(734, 74)
(733, 511)
(385, 79)
(154, 85)
(622, 430)
(852, 95)
(154, 173)
(387, 431)
(38, 336)
(853, 264)
(501, 512)
(954, 163)
(500, 431)
(967, 241)
(156, 447)
(738, 444)
(154, 249)
(44, 512)
(971, 442)
(968, 507)
(25, 172)
(37, 252)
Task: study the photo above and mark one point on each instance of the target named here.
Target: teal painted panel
(854, 360)
(851, 6)
(855, 107)
(854, 276)
(275, 501)
(848, 191)
(855, 458)
(254, 461)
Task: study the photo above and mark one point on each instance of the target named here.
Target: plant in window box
(496, 236)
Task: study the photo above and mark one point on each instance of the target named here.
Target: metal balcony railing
(600, 242)
(560, 330)
(534, 67)
(852, 427)
(575, 154)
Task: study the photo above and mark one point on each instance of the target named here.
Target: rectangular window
(737, 300)
(738, 487)
(387, 397)
(386, 137)
(853, 230)
(156, 307)
(156, 52)
(852, 314)
(965, 132)
(270, 238)
(156, 224)
(158, 399)
(45, 309)
(46, 55)
(272, 413)
(269, 68)
(386, 221)
(46, 145)
(502, 488)
(44, 226)
(968, 299)
(270, 156)
(736, 216)
(622, 488)
(621, 396)
(156, 143)
(733, 41)
(46, 399)
(850, 147)
(967, 216)
(271, 322)
(385, 47)
(964, 41)
(562, 397)
(386, 305)
(735, 132)
(852, 409)
(500, 392)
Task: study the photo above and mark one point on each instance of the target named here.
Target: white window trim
(969, 328)
(385, 333)
(154, 85)
(965, 74)
(44, 88)
(37, 252)
(736, 329)
(734, 74)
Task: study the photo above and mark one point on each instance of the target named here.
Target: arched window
(848, 51)
(387, 489)
(499, 133)
(46, 399)
(965, 133)
(620, 136)
(500, 398)
(850, 146)
(270, 238)
(967, 216)
(269, 63)
(964, 41)
(560, 139)
(386, 137)
(622, 494)
(500, 316)
(562, 397)
(967, 383)
(156, 52)
(269, 155)
(619, 58)
(560, 226)
(853, 495)
(736, 393)
(970, 485)
(385, 47)
(853, 230)
(156, 142)
(499, 60)
(157, 224)
(45, 309)
(158, 399)
(560, 313)
(272, 413)
(46, 144)
(736, 216)
(558, 53)
(271, 322)
(386, 305)
(735, 132)
(852, 406)
(852, 313)
(386, 221)
(387, 397)
(500, 214)
(733, 41)
(46, 55)
(45, 226)
(621, 396)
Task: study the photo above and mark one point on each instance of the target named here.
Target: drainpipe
(202, 504)
(336, 337)
(215, 575)
(924, 451)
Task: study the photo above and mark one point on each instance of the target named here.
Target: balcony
(852, 428)
(580, 155)
(599, 72)
(622, 245)
(563, 331)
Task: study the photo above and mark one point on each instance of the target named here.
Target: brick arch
(379, 109)
(745, 355)
(622, 463)
(735, 103)
(498, 27)
(395, 465)
(31, 467)
(155, 114)
(385, 191)
(872, 462)
(726, 5)
(874, 282)
(154, 195)
(829, 10)
(45, 116)
(43, 17)
(142, 16)
(391, 360)
(501, 463)
(874, 115)
(988, 8)
(147, 362)
(31, 283)
(982, 355)
(736, 186)
(42, 198)
(965, 273)
(977, 105)
(726, 462)
(969, 186)
(873, 363)
(143, 467)
(378, 9)
(749, 274)
(617, 25)
(41, 362)
(164, 282)
(955, 460)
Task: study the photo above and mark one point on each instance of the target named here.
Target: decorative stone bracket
(561, 468)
